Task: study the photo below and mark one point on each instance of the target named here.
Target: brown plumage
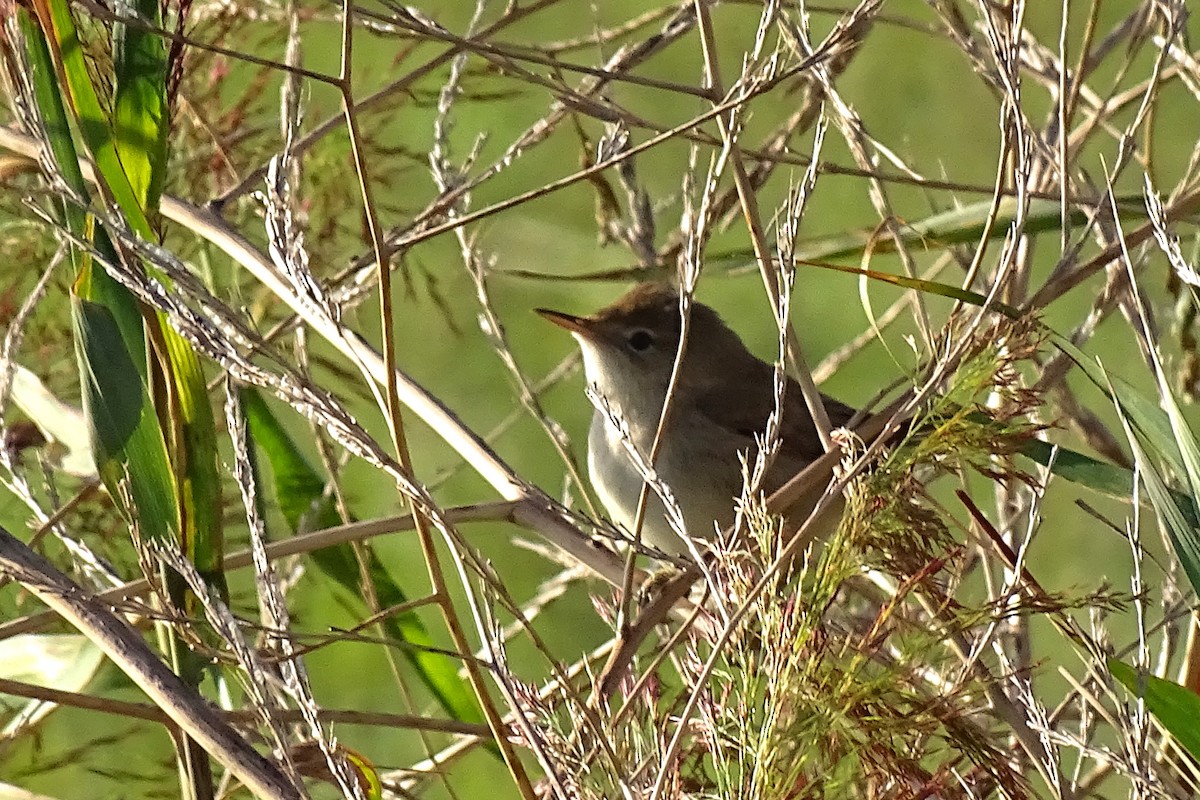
(721, 402)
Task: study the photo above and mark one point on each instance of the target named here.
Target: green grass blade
(965, 225)
(1173, 508)
(93, 121)
(299, 489)
(1176, 510)
(131, 454)
(140, 112)
(1099, 476)
(1157, 436)
(1176, 444)
(54, 119)
(1145, 415)
(195, 448)
(131, 157)
(96, 285)
(1180, 441)
(1108, 479)
(1176, 707)
(946, 290)
(102, 289)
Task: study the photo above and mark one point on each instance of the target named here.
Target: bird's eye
(640, 341)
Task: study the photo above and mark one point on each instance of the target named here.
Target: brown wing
(747, 414)
(799, 438)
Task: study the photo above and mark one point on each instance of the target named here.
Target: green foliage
(140, 118)
(1175, 706)
(127, 441)
(157, 457)
(1165, 449)
(966, 225)
(302, 497)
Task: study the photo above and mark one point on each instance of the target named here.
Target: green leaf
(1179, 444)
(965, 225)
(1157, 438)
(54, 119)
(1175, 510)
(1168, 431)
(300, 491)
(1145, 415)
(949, 291)
(94, 126)
(126, 439)
(1175, 706)
(57, 124)
(1076, 467)
(140, 114)
(98, 286)
(130, 156)
(190, 420)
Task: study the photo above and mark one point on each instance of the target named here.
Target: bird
(721, 401)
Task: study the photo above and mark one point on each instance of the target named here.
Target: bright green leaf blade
(1176, 707)
(1156, 438)
(90, 115)
(140, 115)
(1144, 415)
(100, 287)
(1165, 433)
(1105, 478)
(54, 118)
(127, 442)
(946, 290)
(139, 145)
(1180, 523)
(1178, 445)
(1177, 511)
(300, 492)
(200, 485)
(1182, 441)
(1076, 467)
(62, 145)
(368, 774)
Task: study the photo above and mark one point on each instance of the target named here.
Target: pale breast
(699, 464)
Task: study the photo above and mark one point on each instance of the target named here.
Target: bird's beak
(584, 327)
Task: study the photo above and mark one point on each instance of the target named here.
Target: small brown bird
(721, 401)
